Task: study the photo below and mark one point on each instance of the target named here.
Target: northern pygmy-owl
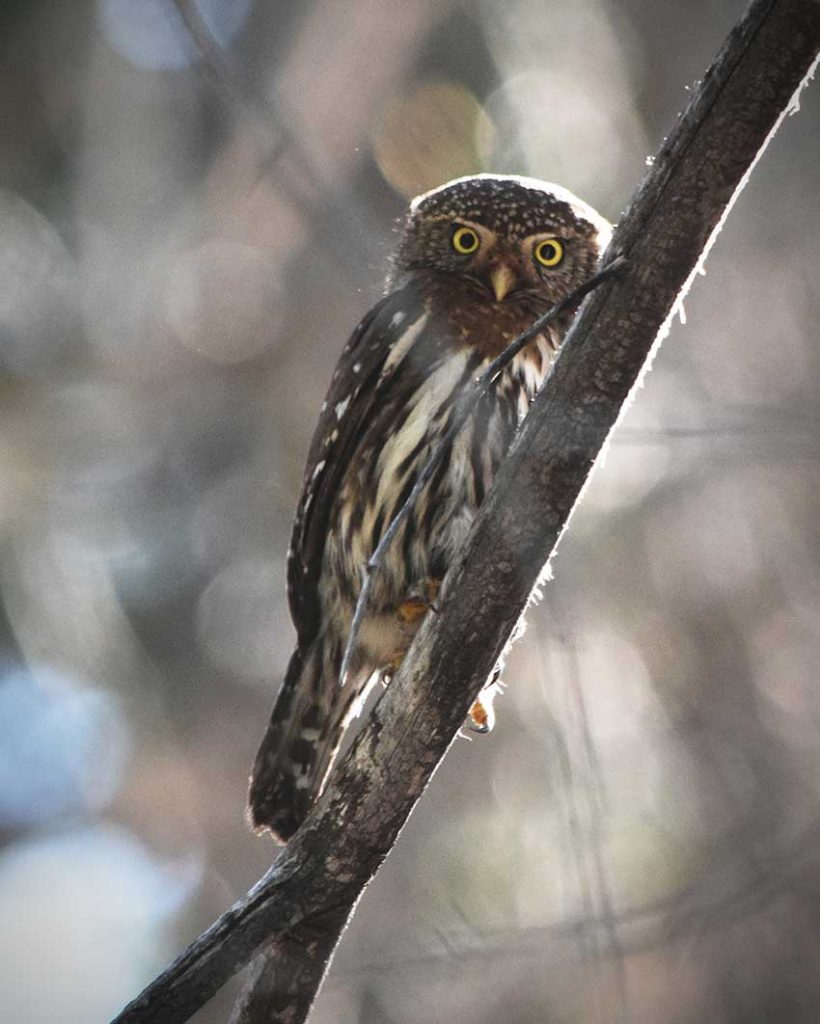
(478, 260)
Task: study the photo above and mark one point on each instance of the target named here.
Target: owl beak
(502, 280)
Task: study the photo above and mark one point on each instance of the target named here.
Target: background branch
(279, 151)
(300, 908)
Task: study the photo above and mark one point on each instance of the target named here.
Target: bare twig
(664, 922)
(280, 151)
(299, 909)
(274, 135)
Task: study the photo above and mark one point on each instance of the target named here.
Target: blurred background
(197, 204)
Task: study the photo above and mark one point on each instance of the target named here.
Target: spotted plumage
(478, 260)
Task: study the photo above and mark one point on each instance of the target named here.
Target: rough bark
(299, 909)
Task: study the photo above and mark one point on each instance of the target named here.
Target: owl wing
(363, 371)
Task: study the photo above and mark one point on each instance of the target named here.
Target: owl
(478, 260)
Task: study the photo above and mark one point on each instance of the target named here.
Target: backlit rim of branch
(299, 909)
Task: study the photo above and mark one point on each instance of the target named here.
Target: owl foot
(391, 668)
(420, 601)
(431, 588)
(481, 717)
(410, 611)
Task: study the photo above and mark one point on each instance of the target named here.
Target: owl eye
(549, 252)
(465, 241)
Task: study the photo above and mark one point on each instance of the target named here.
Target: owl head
(516, 239)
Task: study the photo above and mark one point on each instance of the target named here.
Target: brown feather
(392, 398)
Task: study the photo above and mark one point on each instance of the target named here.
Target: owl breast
(430, 377)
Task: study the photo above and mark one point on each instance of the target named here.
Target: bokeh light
(94, 905)
(433, 134)
(62, 749)
(223, 301)
(152, 34)
(37, 289)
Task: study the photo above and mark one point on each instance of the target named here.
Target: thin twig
(481, 386)
(305, 186)
(651, 925)
(238, 93)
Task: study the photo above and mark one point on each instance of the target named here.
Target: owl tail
(283, 780)
(302, 740)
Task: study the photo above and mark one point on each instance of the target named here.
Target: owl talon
(390, 669)
(394, 664)
(481, 717)
(411, 610)
(420, 602)
(431, 588)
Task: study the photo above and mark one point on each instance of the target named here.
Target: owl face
(515, 239)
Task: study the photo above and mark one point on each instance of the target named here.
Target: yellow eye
(465, 241)
(549, 252)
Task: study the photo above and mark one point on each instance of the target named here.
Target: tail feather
(303, 738)
(283, 779)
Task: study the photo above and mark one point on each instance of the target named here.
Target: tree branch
(299, 909)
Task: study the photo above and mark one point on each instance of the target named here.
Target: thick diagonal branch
(297, 912)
